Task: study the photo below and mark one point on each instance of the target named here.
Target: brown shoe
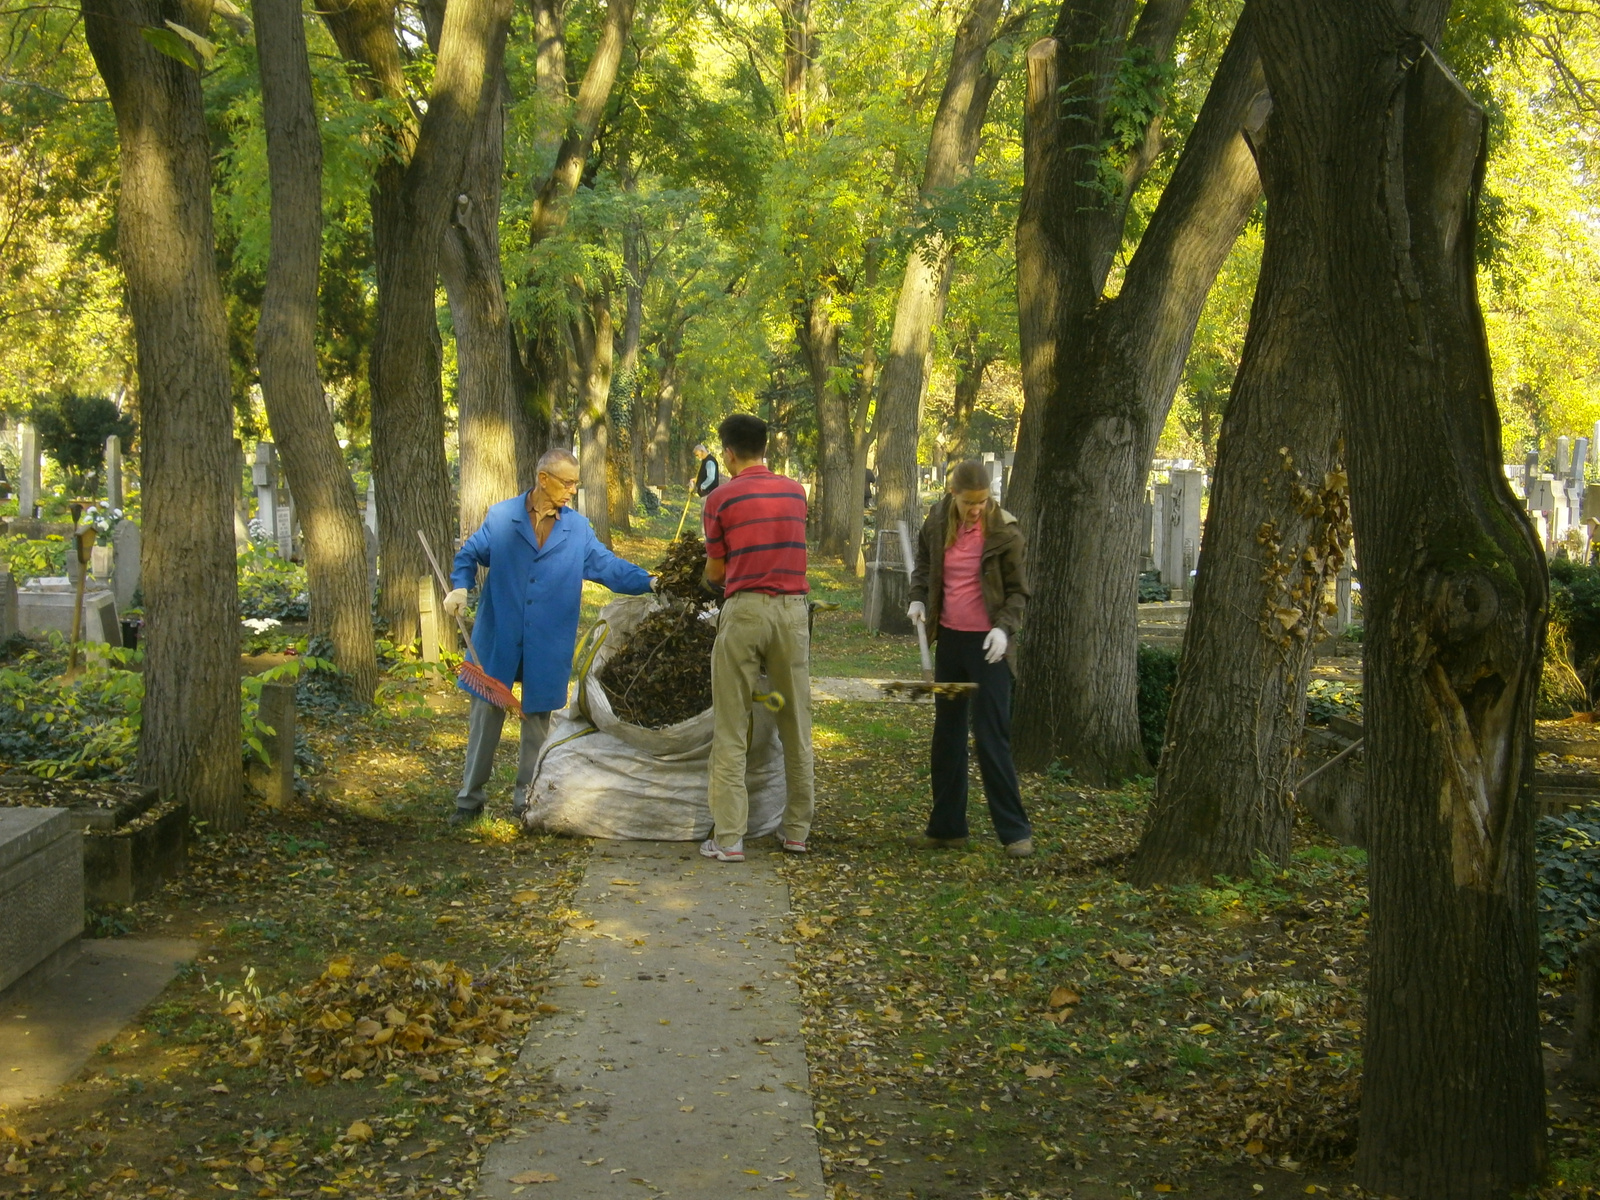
(922, 841)
(1022, 849)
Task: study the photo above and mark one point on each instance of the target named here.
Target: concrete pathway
(677, 1050)
(849, 688)
(50, 1030)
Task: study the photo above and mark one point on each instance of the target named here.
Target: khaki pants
(755, 632)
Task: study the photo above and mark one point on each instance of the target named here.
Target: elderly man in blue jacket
(538, 552)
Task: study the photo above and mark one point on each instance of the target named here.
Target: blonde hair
(969, 475)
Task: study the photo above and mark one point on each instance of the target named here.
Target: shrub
(1158, 675)
(1332, 698)
(86, 729)
(1568, 850)
(271, 587)
(28, 557)
(73, 431)
(1151, 589)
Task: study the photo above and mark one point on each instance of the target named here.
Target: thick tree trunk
(625, 450)
(413, 199)
(302, 426)
(1073, 210)
(1120, 363)
(818, 335)
(952, 149)
(592, 341)
(189, 738)
(486, 396)
(1455, 597)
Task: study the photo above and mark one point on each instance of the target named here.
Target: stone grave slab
(133, 841)
(41, 892)
(45, 604)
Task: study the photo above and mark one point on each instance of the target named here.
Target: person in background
(755, 526)
(709, 475)
(970, 587)
(539, 552)
(872, 482)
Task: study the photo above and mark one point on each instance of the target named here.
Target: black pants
(959, 659)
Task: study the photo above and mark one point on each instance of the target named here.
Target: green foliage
(73, 430)
(84, 729)
(1568, 850)
(26, 558)
(253, 730)
(1151, 589)
(1332, 698)
(271, 587)
(1158, 676)
(1575, 604)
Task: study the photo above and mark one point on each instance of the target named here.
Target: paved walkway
(52, 1028)
(677, 1050)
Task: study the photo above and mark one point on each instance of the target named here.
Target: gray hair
(701, 449)
(557, 455)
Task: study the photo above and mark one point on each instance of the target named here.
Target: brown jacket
(1004, 575)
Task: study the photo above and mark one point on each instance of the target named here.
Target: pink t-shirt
(963, 608)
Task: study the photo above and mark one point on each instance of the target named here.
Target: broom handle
(685, 515)
(444, 584)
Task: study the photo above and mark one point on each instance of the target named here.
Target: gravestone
(102, 564)
(285, 529)
(1563, 456)
(264, 475)
(114, 471)
(371, 536)
(1179, 532)
(45, 603)
(1580, 460)
(41, 892)
(370, 517)
(277, 711)
(8, 605)
(125, 547)
(428, 618)
(29, 481)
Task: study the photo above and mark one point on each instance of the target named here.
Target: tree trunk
(1081, 167)
(1455, 596)
(486, 397)
(302, 426)
(952, 150)
(189, 737)
(592, 341)
(863, 426)
(624, 479)
(660, 447)
(413, 199)
(1120, 362)
(818, 335)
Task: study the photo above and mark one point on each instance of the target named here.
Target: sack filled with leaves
(662, 674)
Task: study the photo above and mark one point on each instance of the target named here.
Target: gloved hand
(456, 602)
(994, 645)
(655, 583)
(918, 611)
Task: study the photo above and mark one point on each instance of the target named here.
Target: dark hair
(745, 434)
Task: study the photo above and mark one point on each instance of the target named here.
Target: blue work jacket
(528, 614)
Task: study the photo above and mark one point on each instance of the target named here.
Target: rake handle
(444, 586)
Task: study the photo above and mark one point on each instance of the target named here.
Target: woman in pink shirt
(970, 588)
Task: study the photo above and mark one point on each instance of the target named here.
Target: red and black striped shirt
(757, 522)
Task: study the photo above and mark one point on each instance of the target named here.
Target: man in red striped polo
(756, 549)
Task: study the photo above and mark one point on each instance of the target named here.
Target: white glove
(655, 583)
(994, 645)
(456, 602)
(918, 612)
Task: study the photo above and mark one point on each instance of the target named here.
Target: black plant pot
(130, 635)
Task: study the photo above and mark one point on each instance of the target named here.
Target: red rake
(470, 673)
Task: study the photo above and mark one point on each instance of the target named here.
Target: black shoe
(466, 816)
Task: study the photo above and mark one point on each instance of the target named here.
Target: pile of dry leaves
(426, 1015)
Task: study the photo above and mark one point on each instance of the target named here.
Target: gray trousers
(483, 738)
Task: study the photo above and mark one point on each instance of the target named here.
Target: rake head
(484, 686)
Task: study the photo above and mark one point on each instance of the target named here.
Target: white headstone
(125, 546)
(1563, 455)
(264, 475)
(371, 517)
(8, 605)
(1580, 459)
(28, 486)
(114, 471)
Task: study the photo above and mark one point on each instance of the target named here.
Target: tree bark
(486, 395)
(413, 199)
(189, 736)
(863, 426)
(592, 343)
(1120, 363)
(286, 350)
(952, 149)
(1075, 194)
(660, 447)
(1455, 596)
(818, 335)
(1278, 530)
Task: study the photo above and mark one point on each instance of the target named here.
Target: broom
(470, 673)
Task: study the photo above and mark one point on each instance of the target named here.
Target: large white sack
(599, 776)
